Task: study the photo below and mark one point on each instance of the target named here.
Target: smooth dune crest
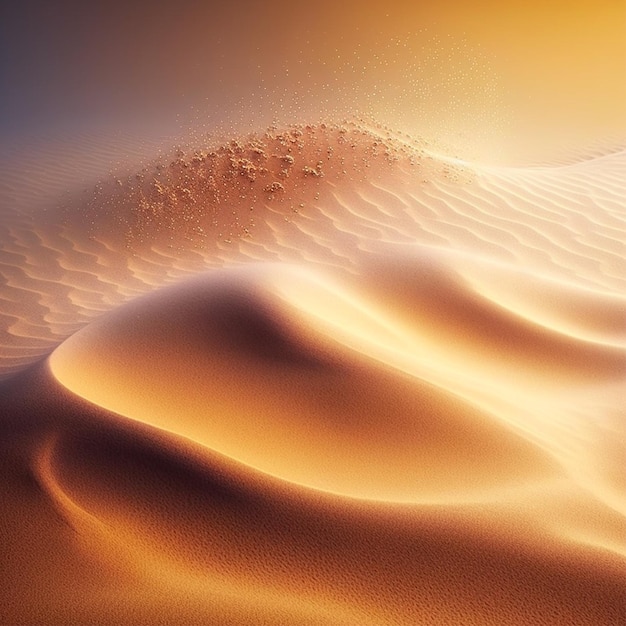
(324, 375)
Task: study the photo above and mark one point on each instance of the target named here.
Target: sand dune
(326, 375)
(127, 523)
(208, 208)
(310, 411)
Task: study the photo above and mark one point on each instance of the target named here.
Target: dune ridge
(321, 375)
(108, 247)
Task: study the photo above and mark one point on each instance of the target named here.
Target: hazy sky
(519, 68)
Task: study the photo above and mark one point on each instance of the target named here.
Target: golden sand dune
(112, 521)
(387, 387)
(221, 366)
(324, 194)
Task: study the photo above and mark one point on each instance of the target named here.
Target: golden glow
(361, 360)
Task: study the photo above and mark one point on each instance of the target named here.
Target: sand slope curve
(323, 375)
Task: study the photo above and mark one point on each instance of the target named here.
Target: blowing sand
(323, 375)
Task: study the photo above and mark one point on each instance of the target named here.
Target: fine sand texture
(327, 374)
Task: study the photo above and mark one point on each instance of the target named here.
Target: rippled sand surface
(320, 375)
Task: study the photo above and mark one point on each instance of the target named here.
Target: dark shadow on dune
(247, 325)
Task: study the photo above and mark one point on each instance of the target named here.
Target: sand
(325, 374)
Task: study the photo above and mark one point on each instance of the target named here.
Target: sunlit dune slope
(229, 367)
(109, 520)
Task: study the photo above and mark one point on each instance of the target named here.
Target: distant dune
(319, 375)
